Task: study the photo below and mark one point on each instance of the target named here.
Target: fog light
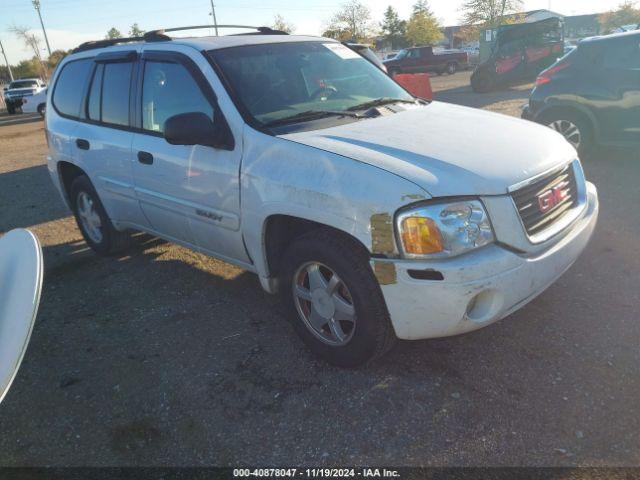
(485, 306)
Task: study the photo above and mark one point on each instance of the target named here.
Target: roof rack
(161, 36)
(104, 43)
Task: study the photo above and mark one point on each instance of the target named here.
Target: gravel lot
(167, 357)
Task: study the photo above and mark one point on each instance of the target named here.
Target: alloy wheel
(324, 304)
(568, 130)
(89, 217)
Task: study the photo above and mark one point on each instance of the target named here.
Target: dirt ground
(167, 357)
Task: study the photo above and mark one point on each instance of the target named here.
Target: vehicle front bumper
(481, 287)
(13, 101)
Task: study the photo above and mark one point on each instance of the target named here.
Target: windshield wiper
(379, 102)
(309, 115)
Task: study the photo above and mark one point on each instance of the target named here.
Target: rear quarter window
(69, 88)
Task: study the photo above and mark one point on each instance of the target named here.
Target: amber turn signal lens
(421, 236)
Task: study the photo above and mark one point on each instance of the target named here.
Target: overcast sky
(70, 22)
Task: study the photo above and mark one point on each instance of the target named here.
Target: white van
(375, 215)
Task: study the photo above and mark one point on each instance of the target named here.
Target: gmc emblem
(551, 198)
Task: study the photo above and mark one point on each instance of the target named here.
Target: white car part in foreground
(21, 273)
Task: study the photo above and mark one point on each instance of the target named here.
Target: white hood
(447, 149)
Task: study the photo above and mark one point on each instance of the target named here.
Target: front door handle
(82, 144)
(145, 158)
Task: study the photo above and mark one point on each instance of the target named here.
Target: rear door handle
(82, 144)
(145, 157)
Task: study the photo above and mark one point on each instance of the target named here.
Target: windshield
(401, 54)
(277, 81)
(24, 84)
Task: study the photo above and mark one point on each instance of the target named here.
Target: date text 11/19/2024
(316, 472)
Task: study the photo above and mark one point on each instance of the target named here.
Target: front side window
(67, 95)
(169, 89)
(276, 81)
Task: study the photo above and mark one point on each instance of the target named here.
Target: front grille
(547, 200)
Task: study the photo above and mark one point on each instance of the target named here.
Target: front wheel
(42, 109)
(452, 68)
(11, 109)
(333, 299)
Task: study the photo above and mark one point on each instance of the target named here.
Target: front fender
(281, 177)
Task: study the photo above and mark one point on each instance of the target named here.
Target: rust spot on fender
(385, 273)
(382, 234)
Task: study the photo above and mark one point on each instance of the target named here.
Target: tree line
(352, 22)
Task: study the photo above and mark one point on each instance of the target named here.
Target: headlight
(444, 229)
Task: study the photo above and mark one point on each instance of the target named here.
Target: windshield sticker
(342, 51)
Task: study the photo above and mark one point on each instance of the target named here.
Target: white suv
(374, 214)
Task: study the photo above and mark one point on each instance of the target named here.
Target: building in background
(577, 27)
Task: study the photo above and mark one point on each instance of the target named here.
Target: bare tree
(279, 23)
(31, 41)
(352, 22)
(489, 13)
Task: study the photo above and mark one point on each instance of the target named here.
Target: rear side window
(95, 94)
(623, 54)
(116, 84)
(67, 95)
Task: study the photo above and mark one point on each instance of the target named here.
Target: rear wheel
(333, 299)
(575, 128)
(93, 221)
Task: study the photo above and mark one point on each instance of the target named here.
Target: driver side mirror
(197, 128)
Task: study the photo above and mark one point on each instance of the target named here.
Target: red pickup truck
(425, 59)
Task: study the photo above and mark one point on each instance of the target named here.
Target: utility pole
(6, 61)
(215, 21)
(36, 4)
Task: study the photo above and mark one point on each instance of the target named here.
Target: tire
(575, 127)
(42, 109)
(371, 334)
(452, 68)
(394, 71)
(482, 82)
(11, 109)
(103, 239)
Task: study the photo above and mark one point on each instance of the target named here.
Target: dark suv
(592, 95)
